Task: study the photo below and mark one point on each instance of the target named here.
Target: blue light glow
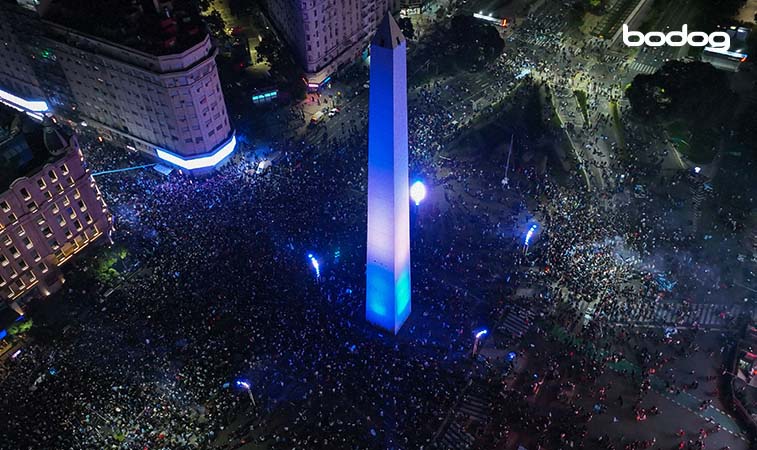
(315, 264)
(243, 384)
(3, 333)
(481, 333)
(202, 162)
(511, 356)
(418, 192)
(530, 234)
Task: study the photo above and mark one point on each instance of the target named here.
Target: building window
(41, 183)
(7, 240)
(42, 267)
(27, 242)
(5, 206)
(12, 217)
(25, 193)
(23, 265)
(48, 195)
(3, 260)
(14, 251)
(64, 169)
(53, 176)
(47, 232)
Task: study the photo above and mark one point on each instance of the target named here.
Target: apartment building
(326, 35)
(50, 206)
(141, 73)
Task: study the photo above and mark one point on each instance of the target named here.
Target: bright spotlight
(418, 192)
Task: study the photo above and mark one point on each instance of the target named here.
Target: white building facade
(163, 103)
(326, 35)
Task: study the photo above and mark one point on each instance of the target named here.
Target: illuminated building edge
(205, 161)
(33, 108)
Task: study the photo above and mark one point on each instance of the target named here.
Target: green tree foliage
(694, 92)
(20, 327)
(216, 24)
(282, 65)
(406, 25)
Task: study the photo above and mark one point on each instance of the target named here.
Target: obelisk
(388, 251)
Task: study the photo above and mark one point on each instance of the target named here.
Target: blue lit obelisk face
(388, 249)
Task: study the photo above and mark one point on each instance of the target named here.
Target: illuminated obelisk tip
(388, 249)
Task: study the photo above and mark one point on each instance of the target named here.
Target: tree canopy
(695, 92)
(474, 42)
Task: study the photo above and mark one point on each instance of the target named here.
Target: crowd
(226, 333)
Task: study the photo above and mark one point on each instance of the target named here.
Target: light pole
(506, 181)
(246, 386)
(478, 335)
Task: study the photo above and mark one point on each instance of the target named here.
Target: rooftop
(24, 145)
(156, 27)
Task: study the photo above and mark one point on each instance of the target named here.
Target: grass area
(617, 124)
(581, 98)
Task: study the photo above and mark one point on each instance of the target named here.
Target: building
(729, 59)
(388, 249)
(326, 35)
(50, 206)
(141, 73)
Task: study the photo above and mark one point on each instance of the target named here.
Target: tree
(216, 25)
(406, 25)
(440, 13)
(695, 92)
(474, 43)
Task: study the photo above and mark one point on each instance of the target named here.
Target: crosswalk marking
(705, 315)
(642, 68)
(473, 406)
(517, 322)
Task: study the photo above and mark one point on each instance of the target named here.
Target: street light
(316, 266)
(529, 235)
(479, 334)
(418, 192)
(246, 386)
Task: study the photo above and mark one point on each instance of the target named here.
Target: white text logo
(717, 39)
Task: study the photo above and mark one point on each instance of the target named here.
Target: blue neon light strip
(202, 162)
(38, 106)
(265, 96)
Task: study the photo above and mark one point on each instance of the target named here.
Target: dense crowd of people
(226, 332)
